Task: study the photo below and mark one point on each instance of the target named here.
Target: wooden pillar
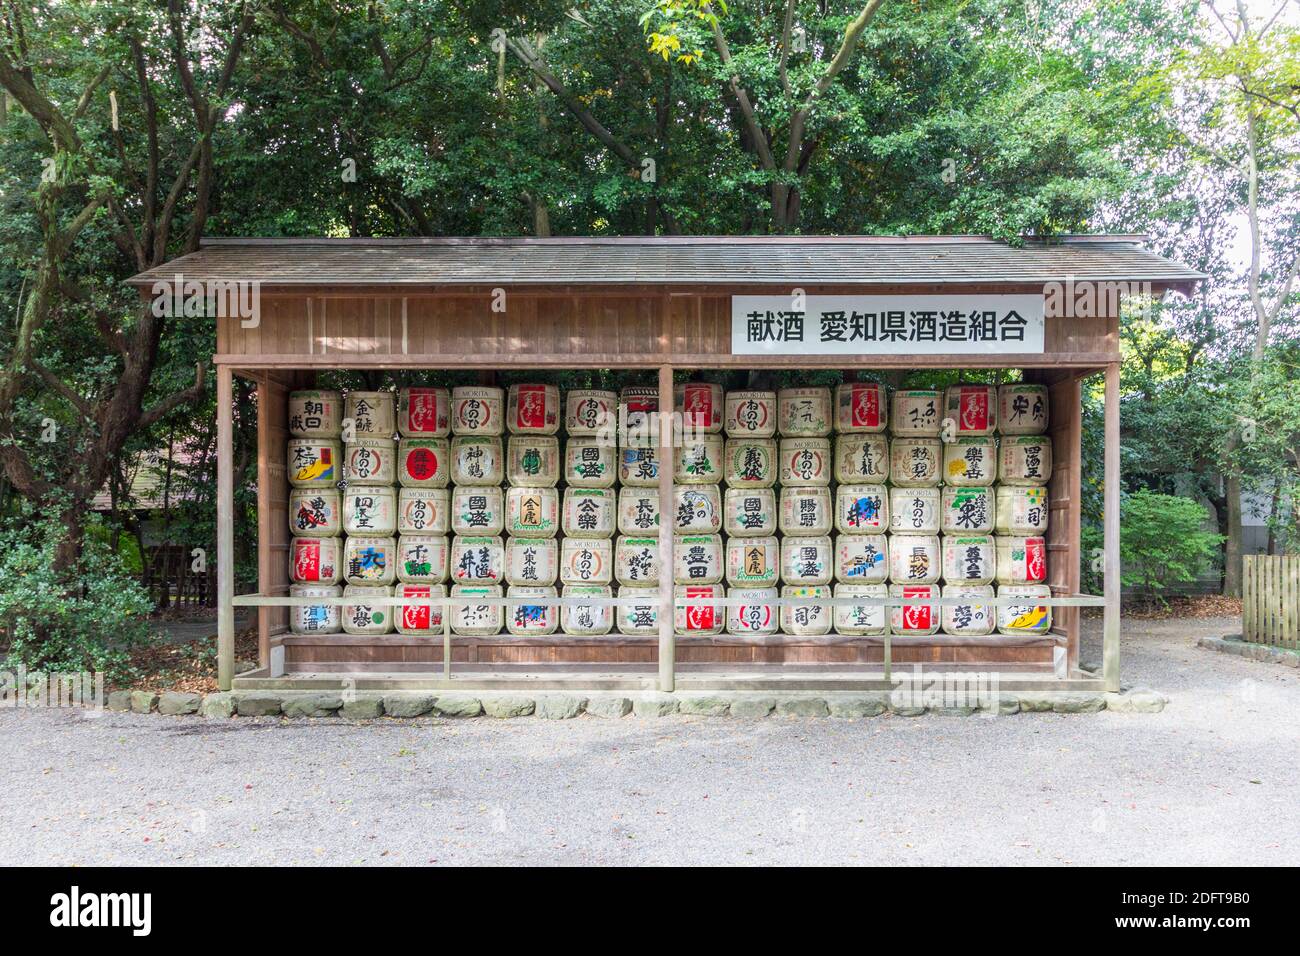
(1110, 621)
(667, 644)
(225, 529)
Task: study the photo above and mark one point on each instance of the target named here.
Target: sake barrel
(701, 406)
(370, 560)
(533, 410)
(315, 413)
(370, 510)
(1029, 618)
(589, 463)
(698, 620)
(969, 559)
(751, 462)
(477, 559)
(806, 511)
(586, 620)
(533, 460)
(532, 561)
(862, 509)
(751, 414)
(640, 619)
(757, 616)
(805, 461)
(370, 414)
(1021, 560)
(804, 412)
(807, 560)
(314, 462)
(697, 559)
(315, 512)
(859, 620)
(359, 617)
(592, 412)
(914, 462)
(860, 407)
(917, 413)
(424, 511)
(638, 466)
(973, 409)
(479, 511)
(532, 512)
(1022, 409)
(587, 561)
(639, 403)
(698, 460)
(423, 462)
(590, 512)
(418, 620)
(315, 618)
(476, 460)
(968, 510)
(749, 512)
(862, 459)
(636, 561)
(422, 558)
(370, 461)
(914, 510)
(477, 410)
(918, 617)
(806, 620)
(638, 510)
(970, 461)
(474, 619)
(531, 620)
(697, 509)
(424, 413)
(862, 558)
(316, 561)
(968, 620)
(1025, 460)
(753, 562)
(914, 559)
(1021, 509)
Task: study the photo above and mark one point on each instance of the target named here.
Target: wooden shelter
(664, 305)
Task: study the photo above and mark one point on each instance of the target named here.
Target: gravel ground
(1211, 780)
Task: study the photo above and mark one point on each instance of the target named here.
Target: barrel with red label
(316, 561)
(533, 409)
(700, 405)
(860, 408)
(698, 620)
(973, 409)
(424, 413)
(917, 617)
(1021, 560)
(423, 462)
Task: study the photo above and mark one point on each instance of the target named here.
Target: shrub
(1163, 542)
(87, 621)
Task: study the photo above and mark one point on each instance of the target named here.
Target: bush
(88, 621)
(1163, 542)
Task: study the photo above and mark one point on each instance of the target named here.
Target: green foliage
(51, 627)
(1163, 542)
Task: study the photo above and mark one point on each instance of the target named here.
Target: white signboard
(886, 324)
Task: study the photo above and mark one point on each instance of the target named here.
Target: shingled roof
(728, 261)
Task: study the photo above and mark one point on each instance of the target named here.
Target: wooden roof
(736, 261)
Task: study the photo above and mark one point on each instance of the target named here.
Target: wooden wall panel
(606, 327)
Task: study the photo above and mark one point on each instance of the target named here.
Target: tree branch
(190, 394)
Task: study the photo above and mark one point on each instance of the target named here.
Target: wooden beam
(1111, 565)
(1085, 362)
(225, 529)
(667, 647)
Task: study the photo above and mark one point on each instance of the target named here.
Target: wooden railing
(1270, 606)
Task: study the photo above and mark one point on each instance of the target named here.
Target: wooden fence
(1271, 600)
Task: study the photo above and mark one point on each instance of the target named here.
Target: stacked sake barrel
(985, 524)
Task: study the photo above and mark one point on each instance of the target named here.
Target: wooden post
(1110, 558)
(225, 529)
(667, 645)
